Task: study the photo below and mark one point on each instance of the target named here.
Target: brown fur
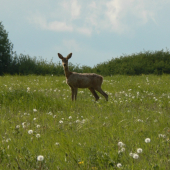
(82, 80)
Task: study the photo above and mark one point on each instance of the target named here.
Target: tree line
(145, 62)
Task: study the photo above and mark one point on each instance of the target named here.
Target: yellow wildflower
(82, 162)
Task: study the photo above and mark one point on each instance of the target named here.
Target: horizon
(94, 31)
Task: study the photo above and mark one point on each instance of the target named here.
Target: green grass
(84, 134)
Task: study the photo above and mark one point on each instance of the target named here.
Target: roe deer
(82, 80)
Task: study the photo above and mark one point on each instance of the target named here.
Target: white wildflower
(34, 110)
(23, 123)
(135, 156)
(130, 154)
(61, 121)
(57, 144)
(84, 120)
(121, 144)
(38, 126)
(40, 158)
(147, 140)
(38, 135)
(50, 113)
(119, 165)
(9, 139)
(70, 117)
(28, 89)
(162, 136)
(139, 150)
(30, 132)
(139, 120)
(121, 150)
(17, 126)
(77, 121)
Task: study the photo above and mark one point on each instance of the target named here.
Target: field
(41, 128)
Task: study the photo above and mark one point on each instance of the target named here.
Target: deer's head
(64, 59)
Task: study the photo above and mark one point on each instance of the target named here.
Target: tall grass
(84, 134)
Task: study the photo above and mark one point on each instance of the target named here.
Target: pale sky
(93, 30)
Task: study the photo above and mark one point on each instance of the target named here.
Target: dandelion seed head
(23, 123)
(119, 165)
(9, 139)
(130, 154)
(38, 126)
(30, 132)
(28, 89)
(77, 121)
(147, 140)
(17, 126)
(139, 120)
(60, 121)
(38, 135)
(135, 156)
(139, 150)
(121, 144)
(121, 150)
(162, 136)
(57, 144)
(34, 110)
(40, 158)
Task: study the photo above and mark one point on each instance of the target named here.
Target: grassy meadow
(41, 128)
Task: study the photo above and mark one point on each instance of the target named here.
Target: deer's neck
(67, 72)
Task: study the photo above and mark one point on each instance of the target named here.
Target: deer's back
(84, 80)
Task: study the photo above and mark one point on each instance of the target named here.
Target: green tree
(5, 51)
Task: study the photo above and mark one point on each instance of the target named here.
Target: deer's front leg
(72, 93)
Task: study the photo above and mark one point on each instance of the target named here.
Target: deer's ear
(60, 56)
(69, 56)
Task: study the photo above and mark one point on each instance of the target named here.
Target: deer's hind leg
(94, 93)
(99, 89)
(74, 93)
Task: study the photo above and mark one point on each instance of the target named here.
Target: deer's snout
(64, 64)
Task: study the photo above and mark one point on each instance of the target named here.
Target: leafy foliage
(157, 63)
(146, 62)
